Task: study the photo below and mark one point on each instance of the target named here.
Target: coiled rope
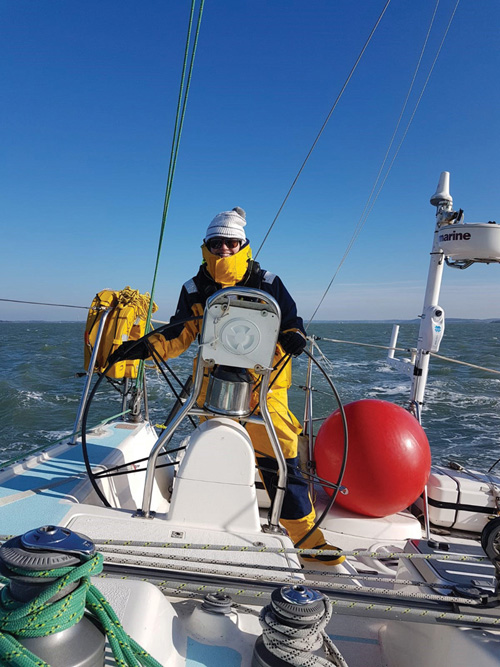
(40, 617)
(296, 645)
(141, 303)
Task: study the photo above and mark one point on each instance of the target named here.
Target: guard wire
(40, 303)
(159, 361)
(90, 398)
(330, 503)
(305, 473)
(119, 469)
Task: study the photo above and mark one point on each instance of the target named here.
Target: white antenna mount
(442, 194)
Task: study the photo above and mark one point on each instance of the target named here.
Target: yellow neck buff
(227, 271)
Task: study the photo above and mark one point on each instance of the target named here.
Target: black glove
(293, 342)
(130, 349)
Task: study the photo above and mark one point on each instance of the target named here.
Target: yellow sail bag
(126, 321)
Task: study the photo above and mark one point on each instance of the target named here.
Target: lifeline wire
(369, 205)
(39, 303)
(385, 347)
(324, 125)
(42, 448)
(402, 349)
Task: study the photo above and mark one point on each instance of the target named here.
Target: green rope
(179, 122)
(40, 617)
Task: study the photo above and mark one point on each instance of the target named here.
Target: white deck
(49, 488)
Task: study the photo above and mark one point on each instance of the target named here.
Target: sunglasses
(216, 244)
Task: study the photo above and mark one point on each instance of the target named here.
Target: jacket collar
(227, 271)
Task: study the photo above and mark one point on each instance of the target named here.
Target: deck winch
(50, 548)
(293, 627)
(51, 613)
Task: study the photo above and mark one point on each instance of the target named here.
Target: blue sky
(89, 92)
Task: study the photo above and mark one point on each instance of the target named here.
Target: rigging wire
(40, 303)
(370, 203)
(404, 349)
(418, 101)
(179, 122)
(353, 69)
(364, 215)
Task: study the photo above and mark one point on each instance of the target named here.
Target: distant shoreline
(415, 320)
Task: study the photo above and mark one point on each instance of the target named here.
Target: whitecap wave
(31, 396)
(388, 391)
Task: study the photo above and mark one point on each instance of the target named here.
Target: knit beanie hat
(228, 225)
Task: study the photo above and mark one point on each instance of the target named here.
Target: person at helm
(227, 262)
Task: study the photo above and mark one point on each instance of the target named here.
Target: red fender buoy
(388, 461)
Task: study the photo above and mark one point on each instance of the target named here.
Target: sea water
(40, 388)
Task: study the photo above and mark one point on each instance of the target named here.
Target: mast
(432, 318)
(459, 245)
